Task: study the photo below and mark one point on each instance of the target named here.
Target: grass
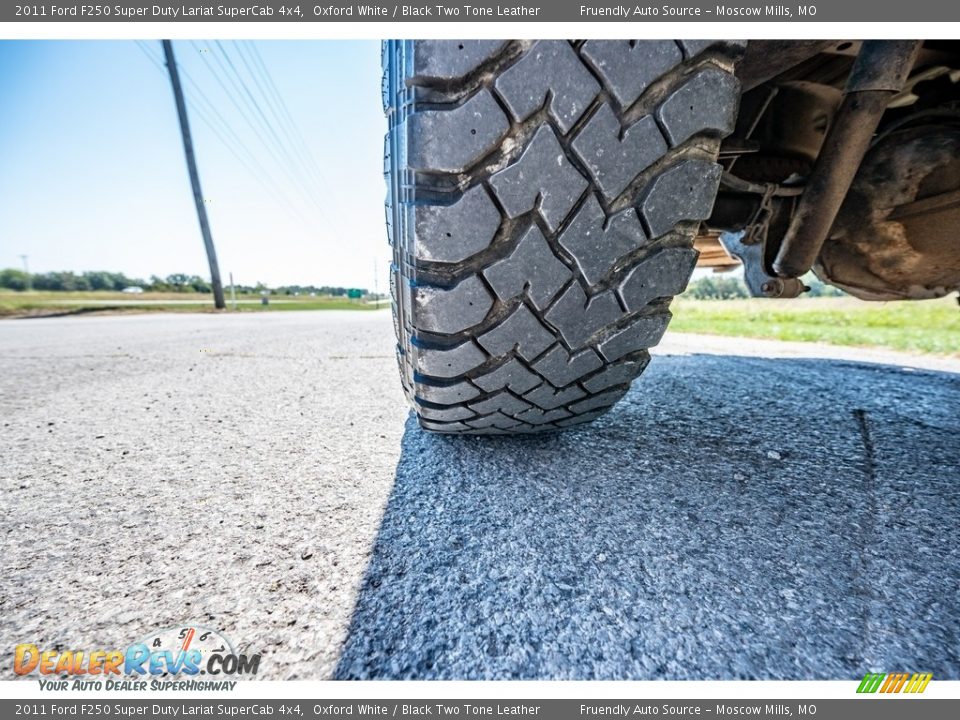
(45, 304)
(928, 326)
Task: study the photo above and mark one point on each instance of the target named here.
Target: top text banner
(483, 10)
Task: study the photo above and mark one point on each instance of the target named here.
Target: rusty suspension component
(878, 74)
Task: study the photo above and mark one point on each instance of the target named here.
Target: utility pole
(218, 300)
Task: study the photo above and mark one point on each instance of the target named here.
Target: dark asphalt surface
(733, 517)
(738, 515)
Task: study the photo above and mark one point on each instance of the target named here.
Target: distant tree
(178, 282)
(57, 281)
(13, 279)
(718, 288)
(198, 284)
(322, 290)
(101, 280)
(47, 281)
(158, 284)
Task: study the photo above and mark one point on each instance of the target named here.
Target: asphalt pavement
(751, 509)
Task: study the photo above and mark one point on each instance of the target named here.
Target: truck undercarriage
(845, 159)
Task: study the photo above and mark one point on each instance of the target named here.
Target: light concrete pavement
(751, 509)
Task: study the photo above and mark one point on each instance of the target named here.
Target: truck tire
(542, 200)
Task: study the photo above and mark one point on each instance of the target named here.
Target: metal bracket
(758, 281)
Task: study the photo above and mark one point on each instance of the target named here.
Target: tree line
(13, 279)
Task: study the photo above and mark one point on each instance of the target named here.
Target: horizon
(154, 279)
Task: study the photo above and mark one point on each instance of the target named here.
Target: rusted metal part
(945, 202)
(895, 237)
(745, 186)
(753, 105)
(712, 253)
(796, 122)
(879, 73)
(758, 281)
(766, 59)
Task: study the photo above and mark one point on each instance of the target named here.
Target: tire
(542, 203)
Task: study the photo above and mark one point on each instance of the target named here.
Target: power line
(270, 105)
(261, 173)
(306, 148)
(263, 177)
(297, 175)
(286, 118)
(233, 145)
(204, 54)
(267, 182)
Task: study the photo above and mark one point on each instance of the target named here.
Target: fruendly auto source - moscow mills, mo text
(685, 11)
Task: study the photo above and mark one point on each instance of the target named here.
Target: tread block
(536, 416)
(541, 179)
(453, 427)
(548, 398)
(449, 363)
(692, 48)
(503, 402)
(446, 394)
(451, 233)
(449, 414)
(643, 333)
(531, 267)
(578, 319)
(496, 420)
(604, 399)
(664, 274)
(561, 368)
(619, 373)
(451, 59)
(521, 331)
(629, 66)
(683, 192)
(450, 311)
(512, 375)
(597, 243)
(706, 103)
(615, 156)
(550, 69)
(468, 132)
(581, 419)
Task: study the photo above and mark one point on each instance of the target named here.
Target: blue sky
(92, 173)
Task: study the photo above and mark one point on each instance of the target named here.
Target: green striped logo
(894, 682)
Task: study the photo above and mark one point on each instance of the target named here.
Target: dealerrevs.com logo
(171, 659)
